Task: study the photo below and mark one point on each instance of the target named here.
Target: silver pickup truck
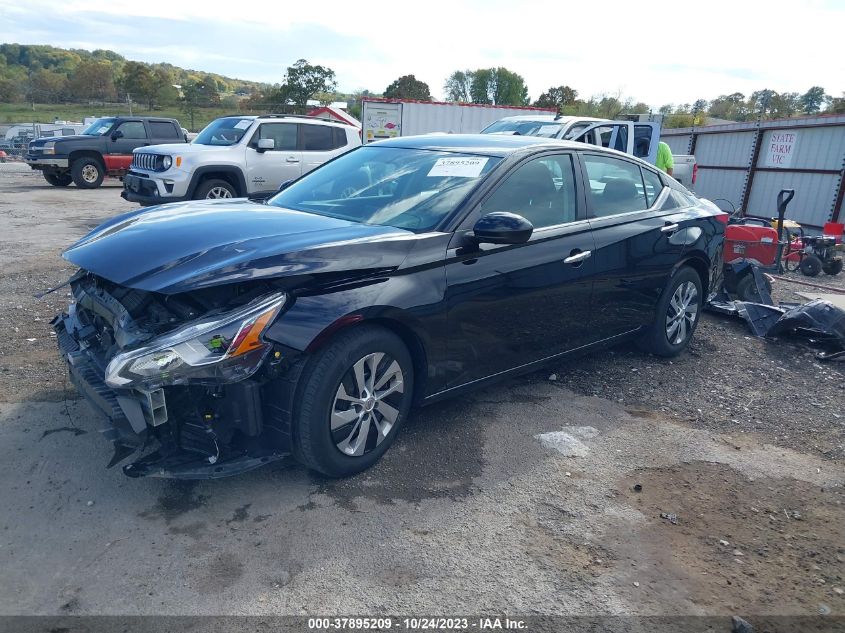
(634, 136)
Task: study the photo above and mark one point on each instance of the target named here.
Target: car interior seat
(619, 195)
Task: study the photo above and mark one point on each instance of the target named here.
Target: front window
(99, 127)
(225, 131)
(413, 189)
(545, 129)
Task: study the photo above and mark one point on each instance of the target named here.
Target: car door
(266, 169)
(618, 135)
(319, 144)
(510, 305)
(127, 136)
(638, 231)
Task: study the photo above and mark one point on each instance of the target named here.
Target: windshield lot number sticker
(243, 124)
(458, 167)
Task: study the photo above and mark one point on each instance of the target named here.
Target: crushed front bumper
(180, 442)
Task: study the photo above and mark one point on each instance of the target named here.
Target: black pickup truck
(103, 149)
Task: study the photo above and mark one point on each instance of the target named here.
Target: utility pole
(129, 101)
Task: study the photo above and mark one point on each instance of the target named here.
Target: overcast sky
(658, 52)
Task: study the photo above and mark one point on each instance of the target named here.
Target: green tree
(196, 95)
(9, 92)
(699, 106)
(304, 80)
(760, 102)
(408, 87)
(732, 107)
(837, 105)
(785, 104)
(557, 97)
(666, 109)
(813, 99)
(46, 86)
(92, 80)
(137, 81)
(498, 86)
(458, 85)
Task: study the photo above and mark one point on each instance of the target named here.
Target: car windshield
(99, 127)
(546, 129)
(226, 131)
(413, 189)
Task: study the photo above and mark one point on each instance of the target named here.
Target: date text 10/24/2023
(416, 624)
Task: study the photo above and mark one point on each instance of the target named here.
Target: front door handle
(670, 228)
(577, 257)
(292, 159)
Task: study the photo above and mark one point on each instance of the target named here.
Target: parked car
(236, 156)
(633, 135)
(103, 149)
(224, 334)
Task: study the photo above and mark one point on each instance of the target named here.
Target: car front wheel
(87, 173)
(677, 315)
(354, 396)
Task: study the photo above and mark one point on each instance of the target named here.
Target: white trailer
(389, 118)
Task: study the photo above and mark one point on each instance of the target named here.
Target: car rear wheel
(58, 180)
(87, 173)
(677, 315)
(214, 189)
(353, 398)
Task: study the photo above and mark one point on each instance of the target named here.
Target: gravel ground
(521, 498)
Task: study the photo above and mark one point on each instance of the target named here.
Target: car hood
(185, 246)
(181, 148)
(61, 139)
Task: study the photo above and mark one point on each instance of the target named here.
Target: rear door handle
(578, 257)
(670, 228)
(292, 159)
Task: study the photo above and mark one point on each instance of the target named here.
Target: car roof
(488, 144)
(549, 117)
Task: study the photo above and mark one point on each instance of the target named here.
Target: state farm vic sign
(779, 148)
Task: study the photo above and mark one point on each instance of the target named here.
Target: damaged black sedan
(217, 336)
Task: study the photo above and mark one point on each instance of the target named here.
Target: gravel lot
(518, 499)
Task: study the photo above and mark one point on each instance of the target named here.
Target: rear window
(163, 129)
(319, 138)
(544, 129)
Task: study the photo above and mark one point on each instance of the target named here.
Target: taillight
(694, 172)
(722, 217)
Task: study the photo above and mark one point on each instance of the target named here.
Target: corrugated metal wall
(727, 169)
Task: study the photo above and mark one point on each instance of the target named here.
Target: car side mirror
(116, 135)
(266, 143)
(502, 227)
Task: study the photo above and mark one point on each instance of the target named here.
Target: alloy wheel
(682, 312)
(367, 404)
(90, 173)
(218, 192)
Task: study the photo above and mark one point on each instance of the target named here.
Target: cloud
(657, 52)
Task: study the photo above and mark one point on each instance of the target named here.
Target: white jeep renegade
(236, 156)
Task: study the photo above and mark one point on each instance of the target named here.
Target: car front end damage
(184, 380)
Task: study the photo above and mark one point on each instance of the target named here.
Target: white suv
(236, 156)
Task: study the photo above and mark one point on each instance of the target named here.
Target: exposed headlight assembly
(166, 162)
(49, 147)
(221, 349)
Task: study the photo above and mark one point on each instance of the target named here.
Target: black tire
(832, 267)
(208, 188)
(811, 265)
(656, 340)
(316, 444)
(746, 289)
(58, 180)
(87, 172)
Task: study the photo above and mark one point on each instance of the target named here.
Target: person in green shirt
(664, 161)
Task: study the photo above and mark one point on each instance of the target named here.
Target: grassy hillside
(49, 112)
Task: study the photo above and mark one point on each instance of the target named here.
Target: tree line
(46, 74)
